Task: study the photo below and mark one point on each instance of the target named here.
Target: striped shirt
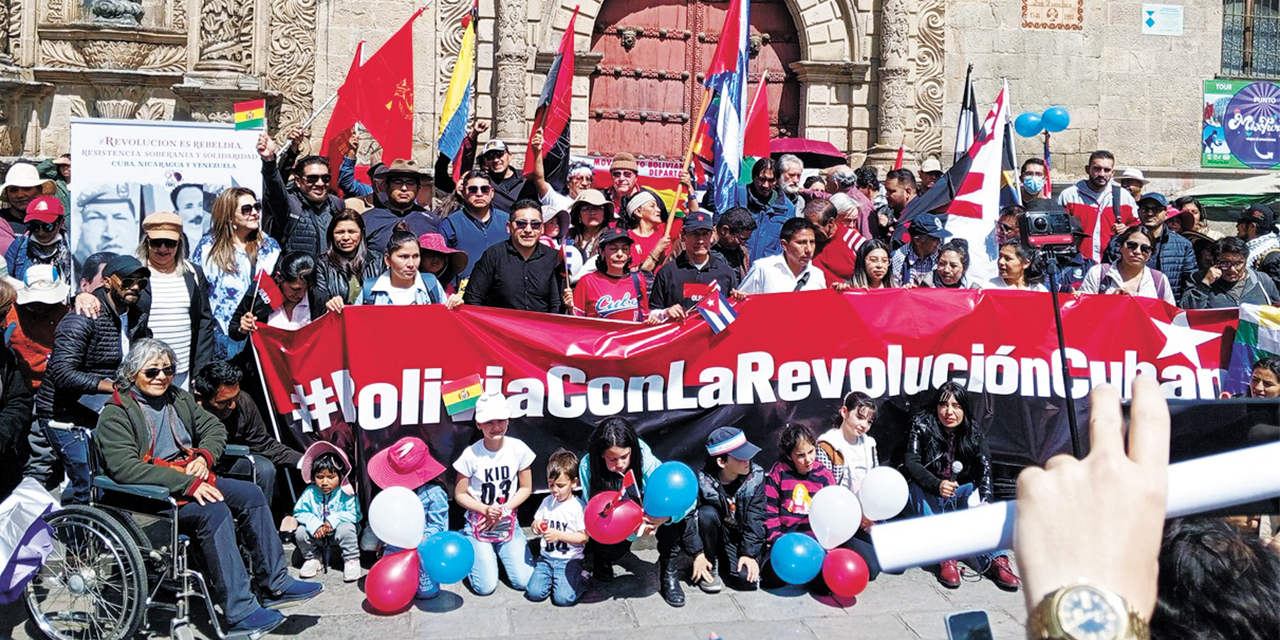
(170, 319)
(787, 495)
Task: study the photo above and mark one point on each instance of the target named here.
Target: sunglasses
(402, 182)
(129, 283)
(246, 209)
(481, 189)
(46, 227)
(1140, 248)
(162, 243)
(154, 372)
(319, 177)
(1008, 228)
(532, 224)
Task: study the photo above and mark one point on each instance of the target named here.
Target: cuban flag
(716, 310)
(727, 76)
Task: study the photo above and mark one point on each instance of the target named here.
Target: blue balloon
(670, 491)
(447, 556)
(1028, 124)
(797, 558)
(1055, 119)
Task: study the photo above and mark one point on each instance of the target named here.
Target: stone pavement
(893, 607)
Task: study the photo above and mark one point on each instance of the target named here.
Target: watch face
(1084, 613)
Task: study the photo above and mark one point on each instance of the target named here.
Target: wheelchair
(106, 575)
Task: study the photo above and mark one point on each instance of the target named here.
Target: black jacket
(331, 282)
(668, 284)
(261, 310)
(508, 191)
(926, 460)
(15, 418)
(293, 221)
(86, 351)
(245, 426)
(202, 323)
(747, 511)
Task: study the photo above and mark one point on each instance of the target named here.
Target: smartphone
(968, 625)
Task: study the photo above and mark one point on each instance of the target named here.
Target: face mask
(1033, 184)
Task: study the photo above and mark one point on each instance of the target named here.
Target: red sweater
(839, 258)
(599, 296)
(787, 495)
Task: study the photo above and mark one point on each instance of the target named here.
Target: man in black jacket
(682, 282)
(403, 182)
(726, 532)
(509, 186)
(15, 405)
(86, 353)
(298, 221)
(521, 273)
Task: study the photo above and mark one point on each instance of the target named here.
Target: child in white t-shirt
(494, 479)
(561, 523)
(847, 450)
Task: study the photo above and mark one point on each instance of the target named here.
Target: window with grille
(1251, 38)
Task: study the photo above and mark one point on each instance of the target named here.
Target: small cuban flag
(716, 309)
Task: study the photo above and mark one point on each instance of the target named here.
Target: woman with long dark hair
(614, 450)
(1130, 274)
(348, 262)
(1018, 270)
(948, 468)
(871, 270)
(303, 301)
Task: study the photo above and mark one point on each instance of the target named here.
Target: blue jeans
(427, 588)
(921, 503)
(561, 579)
(516, 559)
(72, 448)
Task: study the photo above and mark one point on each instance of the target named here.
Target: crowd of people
(148, 350)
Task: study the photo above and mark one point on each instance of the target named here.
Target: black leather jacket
(748, 511)
(927, 459)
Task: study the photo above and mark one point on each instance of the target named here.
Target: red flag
(268, 291)
(755, 141)
(386, 85)
(552, 115)
(902, 151)
(342, 122)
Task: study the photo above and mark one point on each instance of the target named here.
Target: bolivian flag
(461, 395)
(251, 114)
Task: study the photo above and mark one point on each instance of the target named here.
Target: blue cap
(927, 224)
(731, 442)
(1154, 196)
(698, 220)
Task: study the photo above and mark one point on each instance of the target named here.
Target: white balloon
(397, 517)
(883, 493)
(834, 515)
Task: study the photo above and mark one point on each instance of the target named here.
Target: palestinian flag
(1257, 337)
(461, 395)
(251, 114)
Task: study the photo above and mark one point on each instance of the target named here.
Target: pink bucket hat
(407, 463)
(318, 447)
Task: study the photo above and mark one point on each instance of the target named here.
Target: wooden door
(648, 84)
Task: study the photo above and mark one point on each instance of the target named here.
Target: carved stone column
(512, 55)
(5, 58)
(896, 98)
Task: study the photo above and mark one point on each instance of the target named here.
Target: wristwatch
(1083, 611)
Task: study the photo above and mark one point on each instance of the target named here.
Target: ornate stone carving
(55, 12)
(896, 99)
(12, 27)
(178, 15)
(929, 80)
(449, 39)
(112, 54)
(118, 100)
(511, 57)
(226, 36)
(154, 110)
(291, 59)
(115, 13)
(79, 109)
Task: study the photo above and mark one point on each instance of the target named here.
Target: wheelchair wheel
(94, 584)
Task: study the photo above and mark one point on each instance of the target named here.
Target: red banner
(375, 373)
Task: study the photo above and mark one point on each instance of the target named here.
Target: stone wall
(1136, 95)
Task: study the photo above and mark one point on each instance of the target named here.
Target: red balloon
(611, 526)
(393, 581)
(845, 572)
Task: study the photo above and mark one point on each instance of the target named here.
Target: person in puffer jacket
(727, 532)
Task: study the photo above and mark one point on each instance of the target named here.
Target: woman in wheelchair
(155, 433)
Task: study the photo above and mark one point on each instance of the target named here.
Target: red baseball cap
(44, 209)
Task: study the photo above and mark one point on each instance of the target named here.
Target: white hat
(41, 283)
(931, 165)
(492, 406)
(24, 174)
(1133, 173)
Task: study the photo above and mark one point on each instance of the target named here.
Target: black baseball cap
(124, 265)
(613, 234)
(698, 220)
(1259, 213)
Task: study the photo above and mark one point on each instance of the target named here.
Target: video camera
(1046, 225)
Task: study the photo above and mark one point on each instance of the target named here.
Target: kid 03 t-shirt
(562, 516)
(494, 476)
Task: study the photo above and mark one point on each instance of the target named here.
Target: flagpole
(688, 157)
(271, 411)
(307, 124)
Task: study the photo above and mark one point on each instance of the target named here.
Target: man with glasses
(522, 273)
(768, 205)
(45, 241)
(1171, 254)
(625, 172)
(1229, 282)
(1091, 201)
(508, 184)
(479, 225)
(86, 353)
(402, 179)
(299, 217)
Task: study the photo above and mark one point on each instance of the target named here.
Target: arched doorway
(646, 88)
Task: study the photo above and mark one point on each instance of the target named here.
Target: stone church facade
(864, 75)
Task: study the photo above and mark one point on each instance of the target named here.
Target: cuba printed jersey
(600, 296)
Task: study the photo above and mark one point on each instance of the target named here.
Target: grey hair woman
(146, 356)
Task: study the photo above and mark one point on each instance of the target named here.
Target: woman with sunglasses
(233, 252)
(45, 241)
(154, 433)
(403, 283)
(348, 262)
(1228, 282)
(1130, 274)
(590, 214)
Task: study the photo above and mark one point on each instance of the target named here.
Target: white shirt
(562, 516)
(772, 275)
(170, 318)
(859, 456)
(1093, 283)
(999, 283)
(494, 475)
(301, 316)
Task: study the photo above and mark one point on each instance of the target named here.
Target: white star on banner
(1181, 338)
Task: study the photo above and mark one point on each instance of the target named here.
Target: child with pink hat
(327, 511)
(408, 463)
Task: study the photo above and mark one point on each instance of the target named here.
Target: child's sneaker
(310, 567)
(351, 570)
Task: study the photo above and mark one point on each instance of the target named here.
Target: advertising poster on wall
(1240, 126)
(127, 169)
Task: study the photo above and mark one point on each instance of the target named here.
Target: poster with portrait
(1240, 127)
(127, 169)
